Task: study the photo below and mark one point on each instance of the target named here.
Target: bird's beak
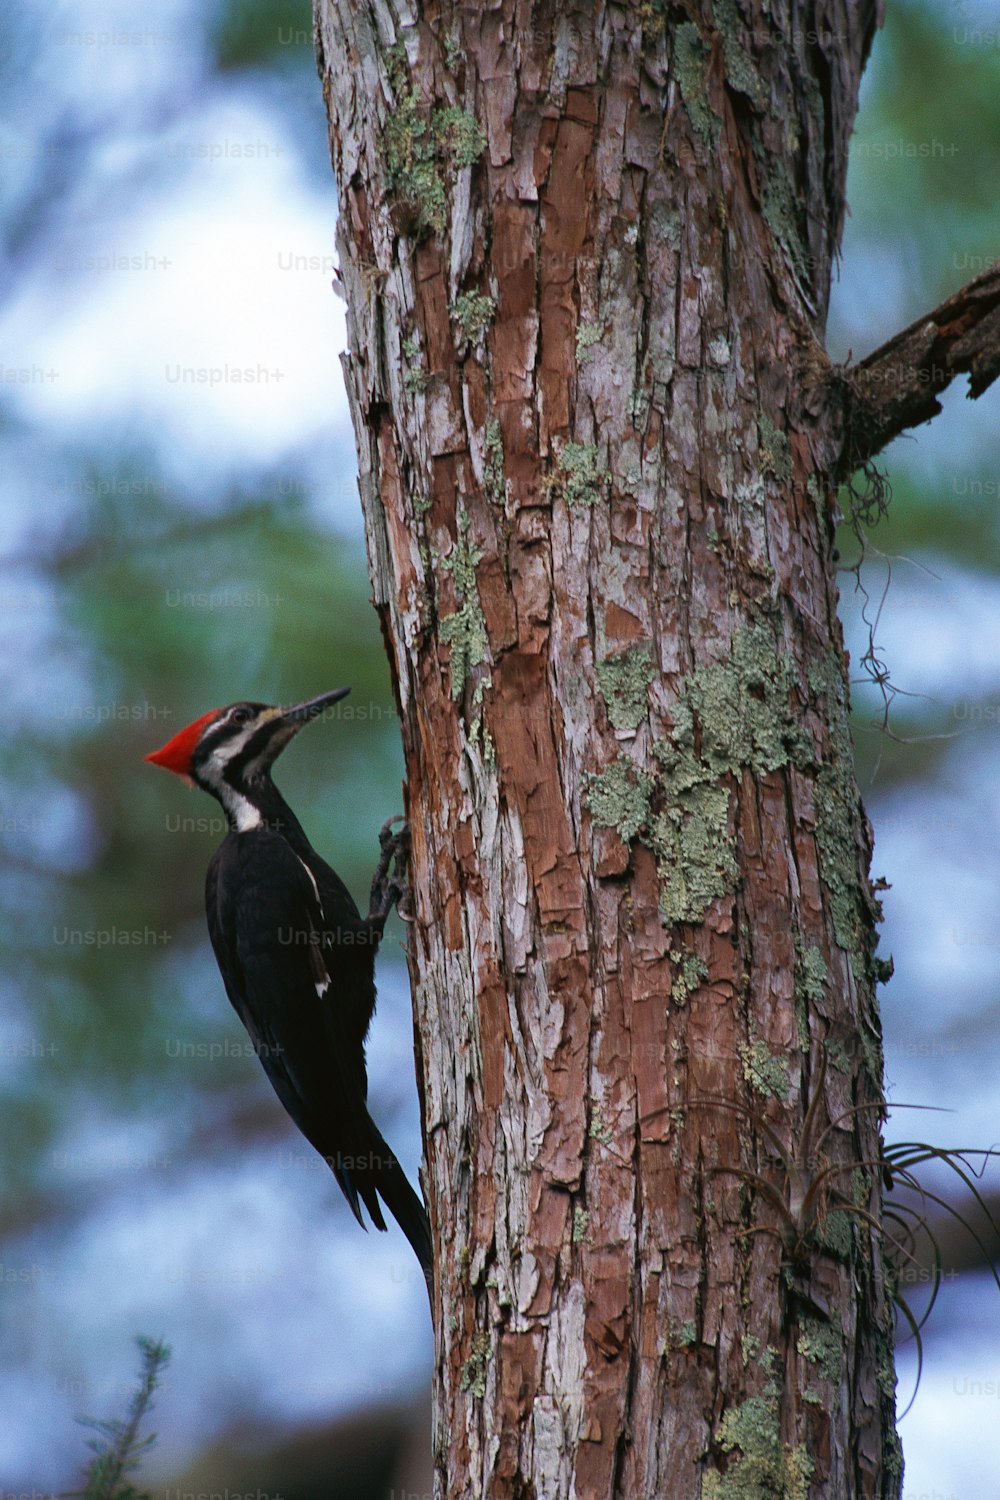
(277, 727)
(303, 713)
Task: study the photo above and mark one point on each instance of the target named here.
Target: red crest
(177, 754)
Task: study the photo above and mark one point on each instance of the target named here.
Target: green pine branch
(118, 1448)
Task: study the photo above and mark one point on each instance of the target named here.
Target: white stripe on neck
(245, 817)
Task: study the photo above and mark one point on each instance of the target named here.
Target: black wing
(265, 923)
(350, 944)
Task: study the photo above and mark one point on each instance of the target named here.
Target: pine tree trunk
(586, 252)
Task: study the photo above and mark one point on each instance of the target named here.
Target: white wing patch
(321, 978)
(312, 882)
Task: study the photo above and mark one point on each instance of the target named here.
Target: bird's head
(229, 752)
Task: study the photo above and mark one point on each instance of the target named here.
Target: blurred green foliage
(260, 33)
(923, 185)
(120, 1447)
(165, 612)
(924, 171)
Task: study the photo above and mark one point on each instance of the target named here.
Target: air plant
(808, 1195)
(898, 1162)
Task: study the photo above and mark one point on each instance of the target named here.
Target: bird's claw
(392, 889)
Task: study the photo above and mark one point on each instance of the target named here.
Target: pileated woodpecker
(296, 955)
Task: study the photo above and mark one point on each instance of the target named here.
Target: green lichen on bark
(838, 1056)
(690, 67)
(414, 376)
(460, 136)
(853, 910)
(728, 717)
(774, 451)
(493, 475)
(885, 1365)
(749, 1348)
(690, 838)
(474, 1369)
(817, 495)
(464, 631)
(885, 1374)
(766, 1469)
(742, 709)
(731, 717)
(473, 312)
(619, 797)
(686, 1336)
(420, 147)
(587, 335)
(690, 973)
(814, 975)
(453, 53)
(740, 72)
(810, 983)
(624, 682)
(637, 407)
(781, 202)
(764, 1071)
(577, 479)
(822, 1344)
(835, 1233)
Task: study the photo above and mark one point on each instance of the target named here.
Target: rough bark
(598, 503)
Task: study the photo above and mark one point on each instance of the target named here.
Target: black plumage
(296, 955)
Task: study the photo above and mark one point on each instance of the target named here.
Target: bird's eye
(241, 715)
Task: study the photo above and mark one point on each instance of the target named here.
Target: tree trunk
(586, 252)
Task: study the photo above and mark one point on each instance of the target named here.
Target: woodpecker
(296, 955)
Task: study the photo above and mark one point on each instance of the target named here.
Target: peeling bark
(598, 503)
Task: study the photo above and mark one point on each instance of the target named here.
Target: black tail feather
(404, 1205)
(375, 1174)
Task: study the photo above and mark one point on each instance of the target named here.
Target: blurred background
(179, 526)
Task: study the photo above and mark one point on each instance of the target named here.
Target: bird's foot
(390, 886)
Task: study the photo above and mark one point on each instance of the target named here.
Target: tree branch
(897, 386)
